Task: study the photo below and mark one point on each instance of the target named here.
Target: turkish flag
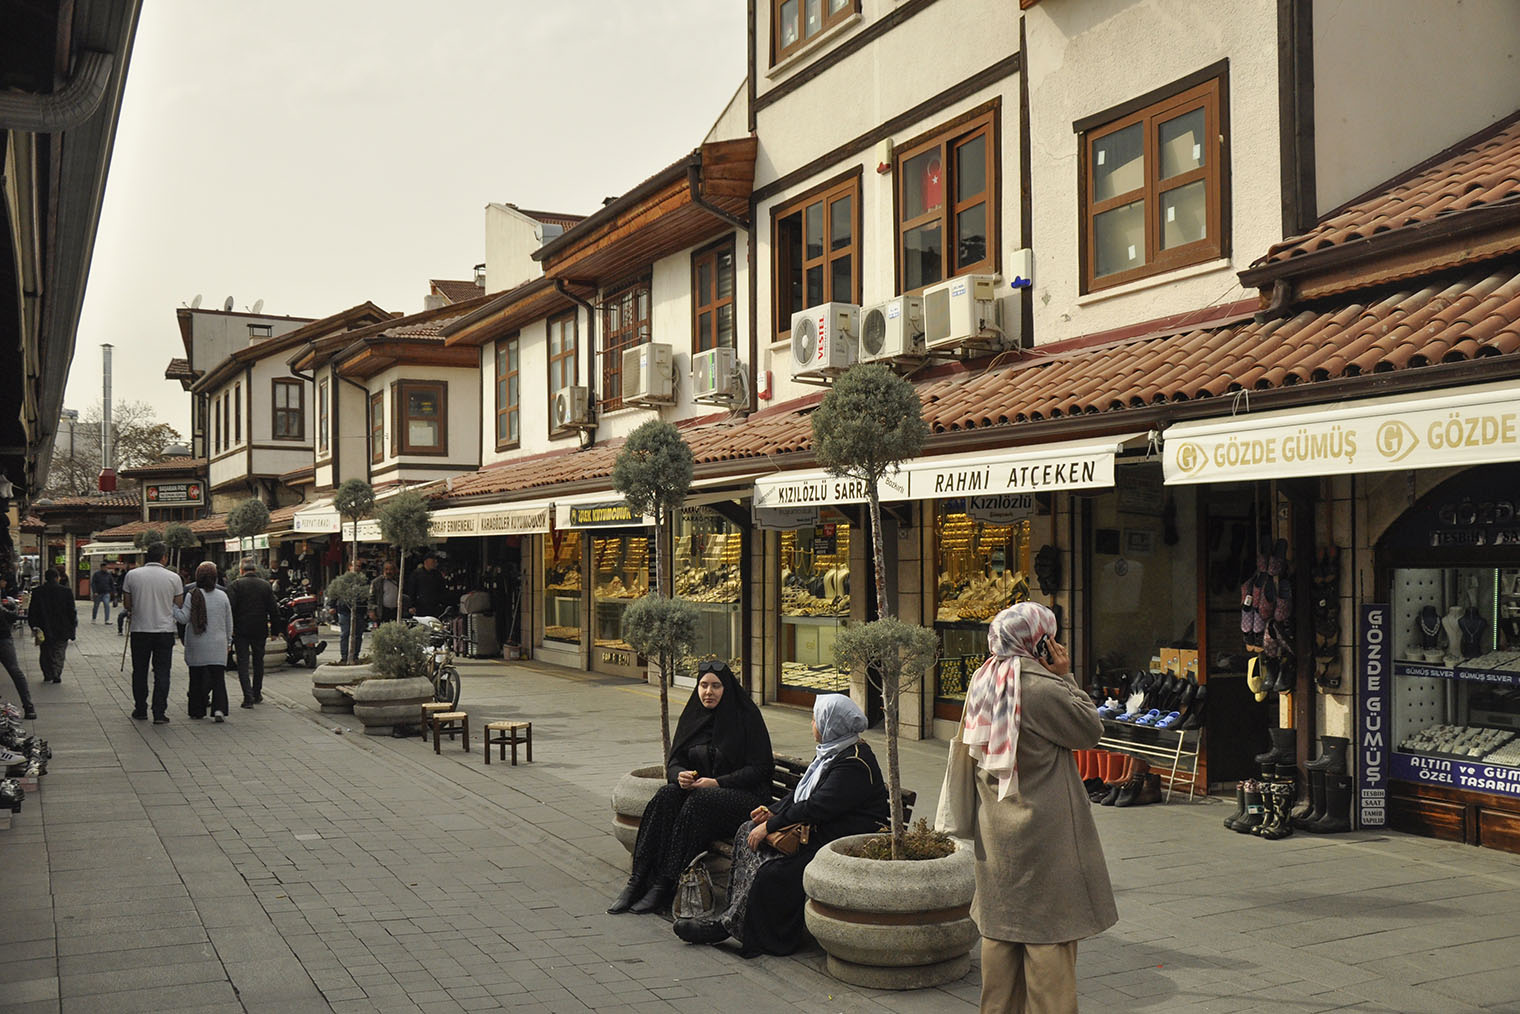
(933, 186)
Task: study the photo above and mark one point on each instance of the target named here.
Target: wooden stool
(430, 709)
(450, 722)
(505, 734)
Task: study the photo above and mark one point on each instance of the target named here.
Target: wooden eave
(377, 355)
(364, 315)
(531, 301)
(672, 210)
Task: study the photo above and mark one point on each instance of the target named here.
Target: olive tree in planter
(351, 588)
(353, 500)
(142, 540)
(404, 524)
(178, 537)
(394, 695)
(247, 519)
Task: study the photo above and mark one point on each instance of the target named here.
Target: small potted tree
(353, 500)
(351, 588)
(404, 524)
(246, 520)
(178, 537)
(394, 695)
(653, 472)
(903, 917)
(144, 539)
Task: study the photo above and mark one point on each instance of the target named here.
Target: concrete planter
(629, 797)
(382, 703)
(892, 925)
(325, 677)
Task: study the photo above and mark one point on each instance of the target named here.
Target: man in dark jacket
(426, 590)
(52, 612)
(255, 617)
(101, 591)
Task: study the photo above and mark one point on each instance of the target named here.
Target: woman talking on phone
(1012, 784)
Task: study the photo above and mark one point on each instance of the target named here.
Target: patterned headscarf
(994, 707)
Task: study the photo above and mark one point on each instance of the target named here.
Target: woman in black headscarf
(718, 771)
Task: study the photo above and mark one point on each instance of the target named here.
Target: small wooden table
(507, 733)
(450, 722)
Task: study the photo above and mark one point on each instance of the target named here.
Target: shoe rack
(1173, 753)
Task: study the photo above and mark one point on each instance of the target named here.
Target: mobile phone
(1042, 649)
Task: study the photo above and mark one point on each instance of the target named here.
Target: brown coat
(1040, 873)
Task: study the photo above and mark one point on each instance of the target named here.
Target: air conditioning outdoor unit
(648, 378)
(892, 330)
(715, 374)
(572, 407)
(962, 312)
(824, 339)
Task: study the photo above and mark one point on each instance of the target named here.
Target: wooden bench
(509, 733)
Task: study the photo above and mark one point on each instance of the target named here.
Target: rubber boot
(1253, 809)
(1284, 748)
(1337, 816)
(1316, 808)
(1277, 826)
(1114, 788)
(1114, 764)
(1268, 808)
(1332, 756)
(1240, 806)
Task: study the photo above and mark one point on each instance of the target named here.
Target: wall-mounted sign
(247, 543)
(468, 521)
(368, 531)
(785, 519)
(607, 514)
(174, 494)
(1371, 737)
(1000, 510)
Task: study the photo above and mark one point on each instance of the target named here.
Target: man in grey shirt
(150, 594)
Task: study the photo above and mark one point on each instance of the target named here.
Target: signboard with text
(174, 494)
(1370, 738)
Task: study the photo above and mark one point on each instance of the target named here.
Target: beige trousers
(1029, 978)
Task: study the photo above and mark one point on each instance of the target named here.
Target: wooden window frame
(702, 338)
(1211, 94)
(780, 52)
(402, 438)
(277, 412)
(826, 193)
(504, 374)
(552, 359)
(616, 340)
(216, 426)
(377, 432)
(324, 415)
(984, 122)
(237, 414)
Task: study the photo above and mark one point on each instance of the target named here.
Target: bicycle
(441, 672)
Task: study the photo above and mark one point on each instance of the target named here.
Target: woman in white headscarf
(841, 793)
(1012, 785)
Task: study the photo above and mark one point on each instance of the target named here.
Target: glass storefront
(706, 561)
(562, 587)
(815, 604)
(619, 575)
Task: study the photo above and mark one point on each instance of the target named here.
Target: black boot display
(1332, 757)
(1337, 816)
(1284, 748)
(1253, 812)
(1240, 806)
(1316, 808)
(1278, 799)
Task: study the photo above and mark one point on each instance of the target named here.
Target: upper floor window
(625, 323)
(947, 203)
(216, 426)
(1154, 187)
(324, 411)
(377, 428)
(237, 414)
(564, 364)
(508, 393)
(289, 409)
(422, 416)
(260, 330)
(795, 23)
(817, 240)
(712, 303)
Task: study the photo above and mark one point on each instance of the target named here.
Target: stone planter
(325, 677)
(629, 797)
(892, 925)
(383, 703)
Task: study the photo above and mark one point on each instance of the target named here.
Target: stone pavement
(274, 864)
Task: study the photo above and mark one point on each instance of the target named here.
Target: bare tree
(137, 434)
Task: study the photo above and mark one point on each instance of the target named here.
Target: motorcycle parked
(302, 640)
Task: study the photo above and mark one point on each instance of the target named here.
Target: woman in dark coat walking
(841, 793)
(719, 770)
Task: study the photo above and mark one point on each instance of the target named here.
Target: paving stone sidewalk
(276, 863)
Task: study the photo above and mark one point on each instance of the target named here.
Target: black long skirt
(678, 824)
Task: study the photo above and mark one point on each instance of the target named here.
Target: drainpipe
(588, 436)
(67, 107)
(694, 183)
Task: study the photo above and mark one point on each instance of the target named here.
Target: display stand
(1178, 748)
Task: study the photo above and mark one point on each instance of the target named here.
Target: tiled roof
(282, 518)
(550, 217)
(205, 528)
(1483, 171)
(184, 465)
(179, 369)
(457, 291)
(107, 502)
(32, 523)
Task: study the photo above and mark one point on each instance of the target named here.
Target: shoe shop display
(1332, 757)
(11, 795)
(1316, 808)
(1253, 808)
(1284, 748)
(1240, 806)
(1277, 798)
(1337, 815)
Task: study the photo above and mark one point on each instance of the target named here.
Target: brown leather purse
(787, 840)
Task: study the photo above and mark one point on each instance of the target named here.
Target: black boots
(1277, 800)
(700, 931)
(1316, 808)
(1253, 808)
(631, 893)
(658, 896)
(1332, 758)
(1337, 815)
(1284, 749)
(1240, 806)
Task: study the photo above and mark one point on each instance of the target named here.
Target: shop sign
(367, 531)
(1000, 510)
(1463, 673)
(532, 522)
(1473, 775)
(316, 522)
(610, 514)
(248, 542)
(1380, 436)
(785, 519)
(174, 494)
(825, 540)
(1371, 734)
(614, 656)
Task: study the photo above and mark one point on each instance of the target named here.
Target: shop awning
(109, 549)
(596, 510)
(1473, 426)
(491, 519)
(1085, 464)
(320, 518)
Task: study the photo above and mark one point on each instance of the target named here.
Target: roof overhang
(375, 355)
(355, 317)
(506, 313)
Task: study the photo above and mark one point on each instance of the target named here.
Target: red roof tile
(456, 291)
(179, 369)
(32, 523)
(106, 502)
(211, 527)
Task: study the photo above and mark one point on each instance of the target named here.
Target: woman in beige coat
(1012, 786)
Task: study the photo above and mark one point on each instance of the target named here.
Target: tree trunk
(400, 586)
(666, 662)
(891, 685)
(664, 711)
(883, 608)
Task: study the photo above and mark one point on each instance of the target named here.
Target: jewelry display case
(815, 604)
(706, 564)
(619, 576)
(562, 589)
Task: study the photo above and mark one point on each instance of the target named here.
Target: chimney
(480, 275)
(107, 482)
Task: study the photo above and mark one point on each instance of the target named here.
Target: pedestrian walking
(118, 580)
(149, 594)
(52, 614)
(351, 620)
(426, 593)
(255, 618)
(100, 592)
(9, 614)
(385, 599)
(1011, 783)
(207, 616)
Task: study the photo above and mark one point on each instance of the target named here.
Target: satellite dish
(195, 304)
(258, 304)
(228, 305)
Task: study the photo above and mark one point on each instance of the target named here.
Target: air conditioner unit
(962, 312)
(647, 375)
(572, 407)
(715, 374)
(824, 340)
(892, 330)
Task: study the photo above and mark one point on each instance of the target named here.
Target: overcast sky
(318, 154)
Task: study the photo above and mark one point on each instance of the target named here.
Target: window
(947, 204)
(712, 285)
(1153, 188)
(795, 23)
(816, 238)
(421, 416)
(260, 330)
(563, 362)
(377, 428)
(289, 409)
(237, 414)
(508, 393)
(323, 411)
(216, 426)
(625, 323)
